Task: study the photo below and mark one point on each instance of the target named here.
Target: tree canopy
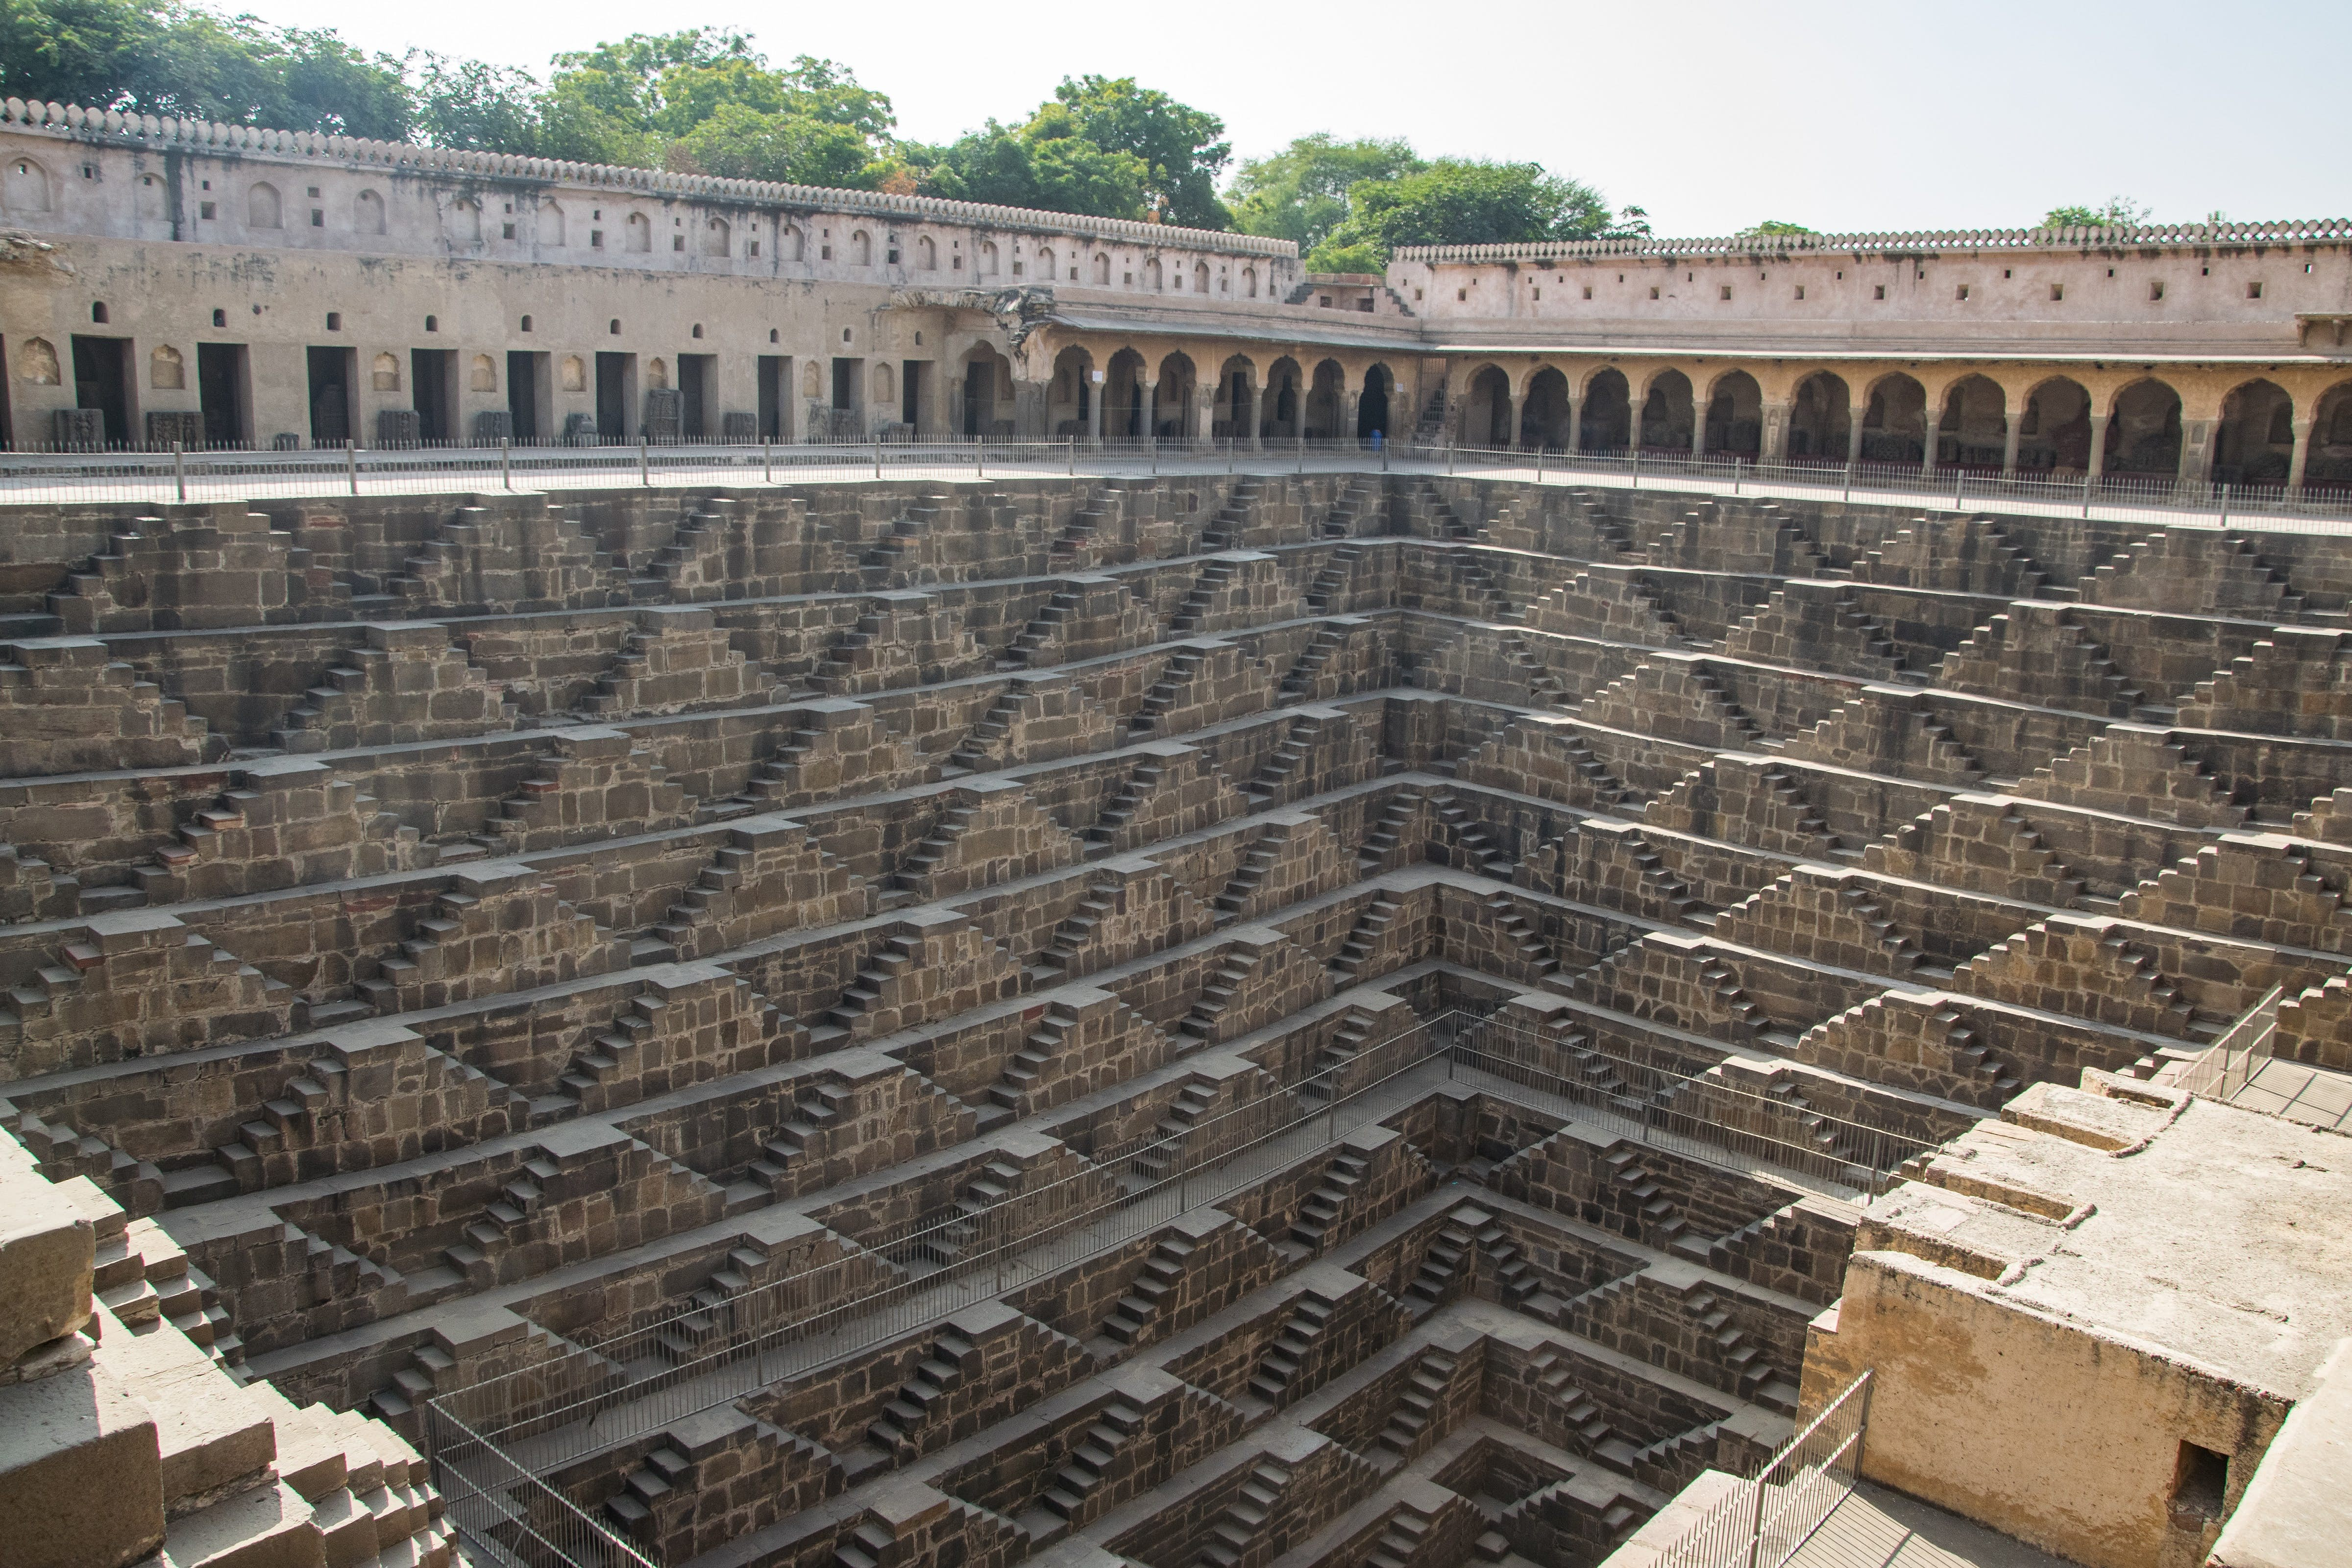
(2121, 211)
(706, 101)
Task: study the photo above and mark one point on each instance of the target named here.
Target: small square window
(312, 192)
(1801, 290)
(595, 239)
(1878, 290)
(509, 229)
(1462, 293)
(824, 253)
(334, 320)
(2156, 291)
(1588, 291)
(1726, 293)
(204, 209)
(89, 171)
(318, 219)
(207, 184)
(1017, 269)
(678, 242)
(2057, 291)
(2007, 272)
(1961, 292)
(894, 258)
(2253, 290)
(755, 247)
(1653, 290)
(1538, 293)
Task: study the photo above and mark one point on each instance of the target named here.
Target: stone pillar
(2294, 463)
(1150, 419)
(1351, 409)
(1204, 411)
(1774, 447)
(2015, 422)
(1511, 421)
(1094, 409)
(1854, 431)
(1698, 424)
(1256, 408)
(2098, 445)
(2196, 451)
(1032, 411)
(1575, 424)
(1935, 433)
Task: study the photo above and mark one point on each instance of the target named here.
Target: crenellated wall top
(2120, 237)
(216, 139)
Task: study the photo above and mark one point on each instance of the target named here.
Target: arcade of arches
(2290, 426)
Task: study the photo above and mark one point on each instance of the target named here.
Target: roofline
(1939, 356)
(211, 137)
(1783, 245)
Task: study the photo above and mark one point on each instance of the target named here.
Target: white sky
(1712, 114)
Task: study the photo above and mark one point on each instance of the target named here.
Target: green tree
(468, 103)
(1460, 201)
(1300, 193)
(1179, 146)
(1770, 227)
(1043, 162)
(2121, 211)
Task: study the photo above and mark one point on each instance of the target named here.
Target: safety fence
(2229, 1063)
(232, 474)
(1765, 1520)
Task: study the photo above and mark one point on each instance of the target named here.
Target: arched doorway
(1543, 416)
(1231, 415)
(1172, 408)
(1666, 422)
(1735, 417)
(2144, 432)
(1607, 422)
(2054, 435)
(1487, 409)
(1894, 425)
(1326, 400)
(1973, 430)
(1122, 392)
(2255, 443)
(987, 393)
(1372, 407)
(2328, 459)
(1069, 397)
(1820, 419)
(1280, 410)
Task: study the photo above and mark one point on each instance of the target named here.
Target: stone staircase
(1416, 1408)
(1138, 1310)
(1091, 1459)
(1322, 1208)
(952, 1360)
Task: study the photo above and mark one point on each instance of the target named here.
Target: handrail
(2227, 1064)
(1764, 1520)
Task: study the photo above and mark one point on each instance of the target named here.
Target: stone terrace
(484, 945)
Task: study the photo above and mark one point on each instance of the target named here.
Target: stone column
(2196, 451)
(1774, 447)
(1854, 431)
(2294, 463)
(1698, 424)
(1204, 411)
(1351, 409)
(1150, 419)
(1094, 409)
(2016, 428)
(1935, 418)
(1575, 424)
(2098, 445)
(1256, 408)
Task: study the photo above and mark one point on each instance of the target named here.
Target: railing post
(2086, 495)
(768, 460)
(1074, 456)
(1637, 468)
(645, 463)
(2225, 504)
(1755, 1520)
(1302, 451)
(1849, 482)
(351, 464)
(878, 453)
(1960, 488)
(1862, 1422)
(506, 461)
(180, 469)
(979, 459)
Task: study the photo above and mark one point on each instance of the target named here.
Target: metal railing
(1702, 1114)
(1765, 1521)
(2229, 1063)
(232, 473)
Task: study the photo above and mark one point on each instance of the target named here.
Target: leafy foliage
(1459, 202)
(1300, 193)
(2121, 211)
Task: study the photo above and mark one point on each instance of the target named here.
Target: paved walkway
(248, 476)
(2299, 1093)
(1874, 1528)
